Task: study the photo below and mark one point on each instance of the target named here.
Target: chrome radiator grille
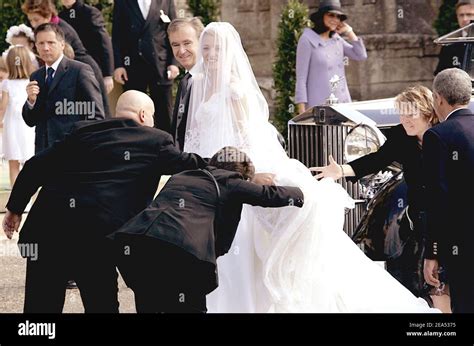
(312, 144)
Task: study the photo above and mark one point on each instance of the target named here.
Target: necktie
(184, 91)
(49, 78)
(185, 83)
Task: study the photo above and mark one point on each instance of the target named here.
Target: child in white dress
(18, 138)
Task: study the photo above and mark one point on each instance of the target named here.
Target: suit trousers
(461, 284)
(142, 78)
(164, 277)
(90, 265)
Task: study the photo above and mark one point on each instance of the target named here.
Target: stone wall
(394, 62)
(399, 44)
(398, 35)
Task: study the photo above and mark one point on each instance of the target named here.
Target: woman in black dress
(403, 145)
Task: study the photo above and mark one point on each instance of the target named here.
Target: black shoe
(71, 284)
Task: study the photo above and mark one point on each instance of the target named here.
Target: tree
(294, 19)
(207, 10)
(446, 21)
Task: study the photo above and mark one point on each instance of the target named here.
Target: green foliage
(208, 10)
(10, 14)
(294, 19)
(446, 21)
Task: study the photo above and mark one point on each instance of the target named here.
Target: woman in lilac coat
(322, 53)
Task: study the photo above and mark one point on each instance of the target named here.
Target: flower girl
(18, 138)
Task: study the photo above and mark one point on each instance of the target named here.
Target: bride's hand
(333, 170)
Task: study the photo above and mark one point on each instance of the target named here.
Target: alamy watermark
(82, 108)
(231, 155)
(37, 329)
(411, 109)
(10, 249)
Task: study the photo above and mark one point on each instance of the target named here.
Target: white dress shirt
(54, 66)
(144, 7)
(46, 66)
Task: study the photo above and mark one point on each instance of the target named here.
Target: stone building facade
(398, 35)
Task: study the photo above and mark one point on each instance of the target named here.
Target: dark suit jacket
(82, 55)
(143, 41)
(180, 112)
(448, 158)
(187, 212)
(451, 56)
(90, 26)
(100, 176)
(80, 52)
(403, 149)
(73, 84)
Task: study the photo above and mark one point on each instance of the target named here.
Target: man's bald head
(137, 106)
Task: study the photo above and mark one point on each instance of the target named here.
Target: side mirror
(360, 141)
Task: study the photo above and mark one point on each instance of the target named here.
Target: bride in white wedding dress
(287, 259)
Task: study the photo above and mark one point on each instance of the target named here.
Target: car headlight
(360, 141)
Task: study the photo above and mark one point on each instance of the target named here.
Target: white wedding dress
(286, 259)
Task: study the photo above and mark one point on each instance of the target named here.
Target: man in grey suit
(60, 93)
